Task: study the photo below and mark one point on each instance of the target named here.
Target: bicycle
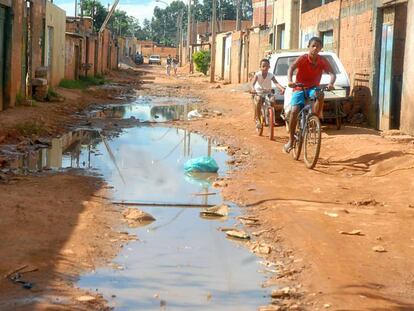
(308, 132)
(267, 114)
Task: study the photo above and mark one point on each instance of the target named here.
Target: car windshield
(283, 64)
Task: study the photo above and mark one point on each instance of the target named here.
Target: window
(281, 37)
(327, 40)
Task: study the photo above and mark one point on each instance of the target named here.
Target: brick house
(369, 37)
(372, 39)
(21, 47)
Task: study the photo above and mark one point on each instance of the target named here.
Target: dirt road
(362, 186)
(363, 182)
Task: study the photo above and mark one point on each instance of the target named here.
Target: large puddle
(181, 261)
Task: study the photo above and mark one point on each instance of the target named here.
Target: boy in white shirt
(262, 84)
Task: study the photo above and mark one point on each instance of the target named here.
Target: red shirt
(310, 74)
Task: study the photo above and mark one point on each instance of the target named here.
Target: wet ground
(181, 261)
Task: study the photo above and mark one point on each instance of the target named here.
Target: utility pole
(238, 15)
(213, 43)
(189, 32)
(179, 30)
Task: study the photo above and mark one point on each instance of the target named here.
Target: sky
(140, 9)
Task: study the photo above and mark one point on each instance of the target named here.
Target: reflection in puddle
(181, 260)
(63, 152)
(150, 109)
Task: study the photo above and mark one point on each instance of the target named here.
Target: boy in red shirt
(310, 67)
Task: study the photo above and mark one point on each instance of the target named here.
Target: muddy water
(150, 109)
(181, 261)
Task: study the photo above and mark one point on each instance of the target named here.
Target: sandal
(287, 148)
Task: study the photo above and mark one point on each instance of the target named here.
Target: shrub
(83, 82)
(29, 128)
(202, 61)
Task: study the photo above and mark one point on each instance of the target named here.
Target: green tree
(202, 61)
(95, 10)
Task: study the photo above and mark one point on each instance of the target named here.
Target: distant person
(175, 64)
(169, 63)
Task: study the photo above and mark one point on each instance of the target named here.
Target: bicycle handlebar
(323, 87)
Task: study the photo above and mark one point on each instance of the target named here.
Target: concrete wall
(236, 58)
(287, 12)
(407, 103)
(219, 55)
(56, 20)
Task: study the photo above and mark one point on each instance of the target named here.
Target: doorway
(393, 31)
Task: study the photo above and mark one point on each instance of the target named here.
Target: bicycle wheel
(271, 119)
(297, 143)
(312, 141)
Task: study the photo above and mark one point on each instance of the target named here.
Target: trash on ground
(248, 220)
(204, 193)
(285, 292)
(219, 184)
(238, 234)
(194, 114)
(330, 214)
(16, 276)
(200, 179)
(86, 298)
(201, 164)
(135, 216)
(353, 232)
(287, 273)
(261, 248)
(379, 249)
(216, 211)
(260, 232)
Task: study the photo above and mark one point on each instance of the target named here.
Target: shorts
(298, 97)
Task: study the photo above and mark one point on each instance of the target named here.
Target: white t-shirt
(263, 83)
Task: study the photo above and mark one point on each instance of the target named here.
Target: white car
(154, 59)
(279, 65)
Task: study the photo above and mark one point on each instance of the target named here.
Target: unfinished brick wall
(352, 27)
(260, 9)
(14, 85)
(320, 19)
(235, 58)
(258, 47)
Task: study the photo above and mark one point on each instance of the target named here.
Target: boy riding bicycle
(261, 84)
(309, 67)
